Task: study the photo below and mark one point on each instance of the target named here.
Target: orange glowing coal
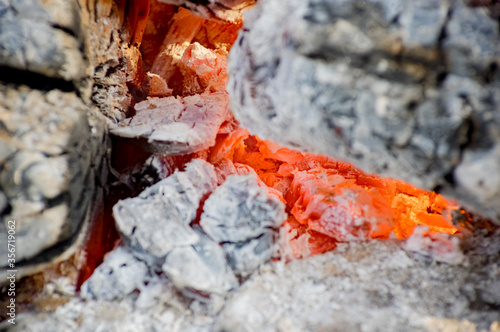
(330, 201)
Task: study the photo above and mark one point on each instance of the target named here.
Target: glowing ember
(332, 201)
(327, 201)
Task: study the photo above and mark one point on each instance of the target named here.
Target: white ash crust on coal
(409, 90)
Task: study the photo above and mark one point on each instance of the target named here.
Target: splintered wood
(326, 201)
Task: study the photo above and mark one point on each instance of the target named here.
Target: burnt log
(54, 141)
(409, 90)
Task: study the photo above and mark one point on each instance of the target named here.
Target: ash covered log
(53, 138)
(405, 89)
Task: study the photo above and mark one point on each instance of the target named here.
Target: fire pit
(250, 166)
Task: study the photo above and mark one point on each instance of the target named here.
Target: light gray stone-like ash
(158, 219)
(119, 275)
(240, 210)
(406, 89)
(176, 125)
(200, 266)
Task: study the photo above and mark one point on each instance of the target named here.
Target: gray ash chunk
(200, 268)
(405, 89)
(119, 275)
(246, 257)
(240, 210)
(158, 219)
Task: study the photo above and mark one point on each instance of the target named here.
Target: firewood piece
(119, 275)
(200, 266)
(157, 221)
(42, 37)
(240, 210)
(225, 10)
(50, 167)
(176, 125)
(408, 90)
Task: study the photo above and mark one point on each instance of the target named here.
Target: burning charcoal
(119, 275)
(183, 28)
(203, 70)
(200, 267)
(176, 125)
(345, 79)
(240, 210)
(246, 257)
(158, 219)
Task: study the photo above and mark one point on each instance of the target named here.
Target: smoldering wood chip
(176, 125)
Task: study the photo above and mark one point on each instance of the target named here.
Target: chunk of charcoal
(176, 125)
(158, 219)
(200, 268)
(240, 210)
(119, 275)
(246, 257)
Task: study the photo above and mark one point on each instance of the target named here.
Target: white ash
(373, 286)
(158, 219)
(176, 126)
(119, 275)
(240, 210)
